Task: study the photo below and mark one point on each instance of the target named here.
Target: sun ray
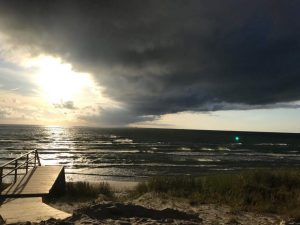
(57, 81)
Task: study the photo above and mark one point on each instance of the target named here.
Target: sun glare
(57, 81)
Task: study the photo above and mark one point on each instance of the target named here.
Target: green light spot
(237, 138)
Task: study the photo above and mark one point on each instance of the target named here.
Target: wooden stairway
(20, 210)
(38, 181)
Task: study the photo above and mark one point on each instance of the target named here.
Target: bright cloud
(55, 93)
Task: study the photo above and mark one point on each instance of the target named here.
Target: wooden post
(27, 163)
(38, 158)
(1, 174)
(16, 171)
(34, 158)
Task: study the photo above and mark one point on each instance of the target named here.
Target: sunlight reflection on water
(90, 153)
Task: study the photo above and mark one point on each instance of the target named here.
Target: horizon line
(158, 128)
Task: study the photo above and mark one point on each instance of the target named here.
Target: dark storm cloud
(160, 57)
(116, 117)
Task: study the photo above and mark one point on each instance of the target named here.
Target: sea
(135, 154)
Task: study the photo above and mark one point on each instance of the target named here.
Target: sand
(152, 208)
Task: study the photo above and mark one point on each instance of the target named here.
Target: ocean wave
(184, 149)
(184, 153)
(271, 144)
(207, 160)
(136, 165)
(123, 141)
(207, 149)
(89, 152)
(221, 148)
(10, 141)
(154, 152)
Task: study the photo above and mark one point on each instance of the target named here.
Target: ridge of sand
(151, 208)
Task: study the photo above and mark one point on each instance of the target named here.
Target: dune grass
(271, 191)
(276, 191)
(90, 190)
(83, 191)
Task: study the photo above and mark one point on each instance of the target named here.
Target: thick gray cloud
(116, 117)
(161, 57)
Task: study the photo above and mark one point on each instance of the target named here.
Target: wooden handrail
(17, 166)
(18, 158)
(14, 168)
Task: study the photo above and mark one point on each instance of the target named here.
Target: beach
(160, 204)
(151, 208)
(158, 176)
(212, 200)
(149, 112)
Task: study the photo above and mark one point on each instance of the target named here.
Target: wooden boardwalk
(23, 198)
(29, 209)
(37, 182)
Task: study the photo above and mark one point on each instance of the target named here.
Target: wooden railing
(17, 164)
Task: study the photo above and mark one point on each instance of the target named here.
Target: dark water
(128, 154)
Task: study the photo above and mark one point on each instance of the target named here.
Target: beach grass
(90, 190)
(263, 191)
(83, 191)
(272, 191)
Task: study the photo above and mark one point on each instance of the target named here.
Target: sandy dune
(152, 209)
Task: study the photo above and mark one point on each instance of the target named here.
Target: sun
(57, 81)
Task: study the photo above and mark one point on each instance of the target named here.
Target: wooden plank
(29, 209)
(37, 182)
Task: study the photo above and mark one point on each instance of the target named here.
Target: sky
(196, 64)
